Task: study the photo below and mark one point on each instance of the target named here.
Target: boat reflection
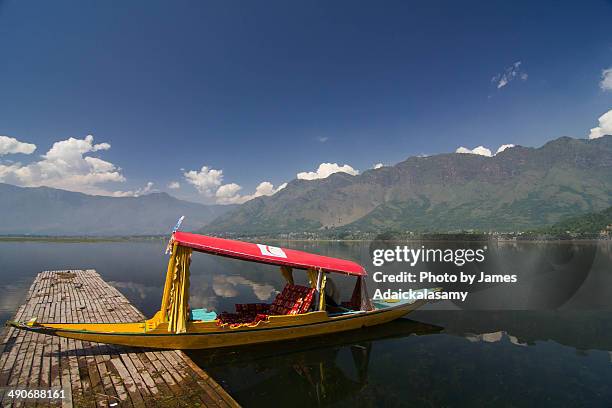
(321, 370)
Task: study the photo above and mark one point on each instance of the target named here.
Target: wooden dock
(93, 374)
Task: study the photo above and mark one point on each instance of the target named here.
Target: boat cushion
(294, 299)
(252, 308)
(202, 315)
(233, 318)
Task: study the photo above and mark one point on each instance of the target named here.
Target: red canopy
(266, 254)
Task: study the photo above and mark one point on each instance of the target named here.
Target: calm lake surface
(544, 341)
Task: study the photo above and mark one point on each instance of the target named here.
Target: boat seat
(202, 315)
(251, 308)
(294, 299)
(245, 313)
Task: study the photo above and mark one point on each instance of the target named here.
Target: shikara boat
(297, 312)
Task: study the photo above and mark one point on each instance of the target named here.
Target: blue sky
(262, 91)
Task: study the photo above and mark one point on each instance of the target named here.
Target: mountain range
(517, 189)
(49, 211)
(520, 188)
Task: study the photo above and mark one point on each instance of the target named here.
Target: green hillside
(588, 224)
(519, 189)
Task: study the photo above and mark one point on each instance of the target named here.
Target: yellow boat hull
(203, 335)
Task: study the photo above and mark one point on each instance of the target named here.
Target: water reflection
(482, 356)
(580, 330)
(322, 370)
(226, 286)
(409, 363)
(550, 275)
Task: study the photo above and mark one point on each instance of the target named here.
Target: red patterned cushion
(294, 299)
(307, 301)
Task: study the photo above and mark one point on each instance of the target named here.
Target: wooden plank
(94, 374)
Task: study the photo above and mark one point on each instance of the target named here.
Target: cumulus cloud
(503, 147)
(206, 181)
(10, 145)
(483, 151)
(66, 166)
(322, 139)
(209, 182)
(148, 188)
(605, 126)
(511, 73)
(606, 80)
(378, 166)
(174, 185)
(480, 150)
(229, 193)
(325, 170)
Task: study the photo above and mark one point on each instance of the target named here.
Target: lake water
(544, 341)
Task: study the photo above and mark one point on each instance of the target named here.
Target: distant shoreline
(132, 238)
(41, 238)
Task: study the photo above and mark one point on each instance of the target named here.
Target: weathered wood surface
(94, 374)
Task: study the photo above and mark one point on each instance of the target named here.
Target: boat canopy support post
(175, 300)
(322, 291)
(319, 300)
(287, 272)
(168, 285)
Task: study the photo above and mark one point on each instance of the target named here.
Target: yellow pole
(312, 277)
(168, 286)
(322, 292)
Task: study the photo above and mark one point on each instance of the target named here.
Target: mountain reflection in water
(545, 341)
(556, 359)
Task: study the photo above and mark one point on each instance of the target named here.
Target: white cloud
(148, 188)
(206, 181)
(503, 147)
(65, 166)
(606, 80)
(325, 170)
(174, 185)
(10, 145)
(483, 151)
(502, 82)
(322, 139)
(480, 150)
(8, 171)
(228, 193)
(378, 166)
(509, 74)
(209, 182)
(605, 126)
